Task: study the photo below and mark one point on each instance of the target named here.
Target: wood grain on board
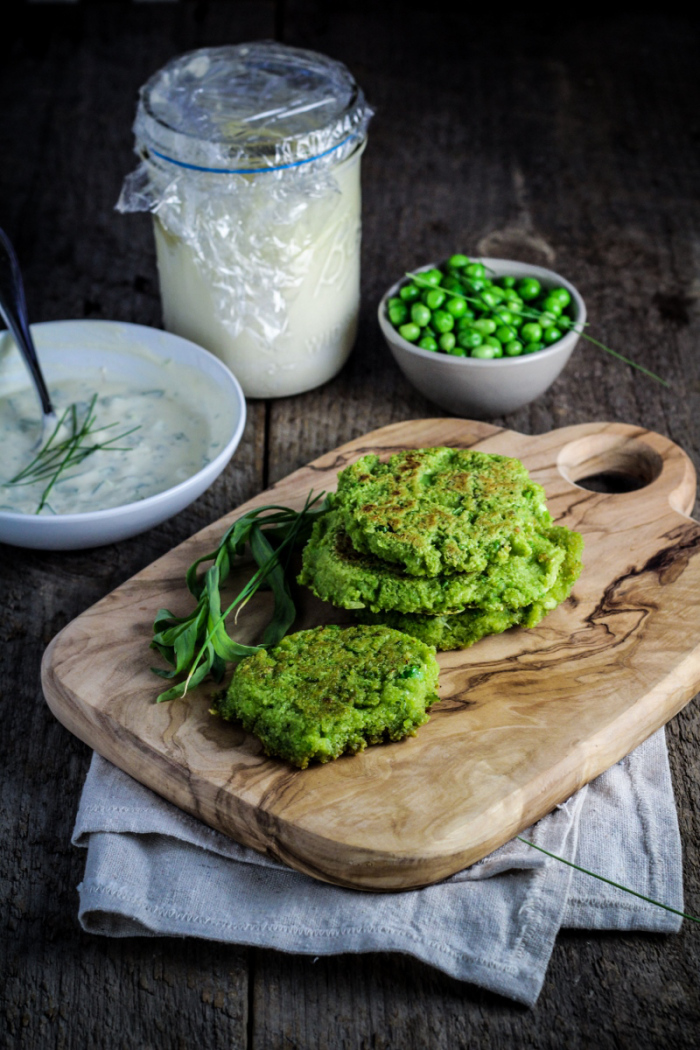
(525, 718)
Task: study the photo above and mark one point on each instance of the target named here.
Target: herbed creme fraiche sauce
(174, 439)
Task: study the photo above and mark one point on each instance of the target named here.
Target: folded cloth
(152, 870)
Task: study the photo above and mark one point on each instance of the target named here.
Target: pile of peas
(461, 311)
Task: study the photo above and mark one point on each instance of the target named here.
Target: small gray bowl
(481, 389)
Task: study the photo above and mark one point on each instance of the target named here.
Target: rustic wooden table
(572, 142)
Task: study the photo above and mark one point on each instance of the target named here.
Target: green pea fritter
(462, 629)
(337, 573)
(330, 690)
(439, 510)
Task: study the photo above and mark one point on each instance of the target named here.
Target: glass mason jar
(250, 165)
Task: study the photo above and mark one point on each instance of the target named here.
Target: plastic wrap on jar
(250, 166)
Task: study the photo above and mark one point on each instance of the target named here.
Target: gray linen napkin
(152, 869)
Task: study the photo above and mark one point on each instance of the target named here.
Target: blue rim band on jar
(252, 171)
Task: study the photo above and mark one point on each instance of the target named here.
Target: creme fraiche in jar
(250, 166)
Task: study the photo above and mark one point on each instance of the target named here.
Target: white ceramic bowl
(481, 389)
(133, 353)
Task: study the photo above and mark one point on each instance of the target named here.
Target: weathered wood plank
(69, 86)
(553, 144)
(516, 132)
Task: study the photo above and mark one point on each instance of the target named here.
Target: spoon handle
(13, 308)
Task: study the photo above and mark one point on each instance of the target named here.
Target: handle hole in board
(610, 463)
(614, 481)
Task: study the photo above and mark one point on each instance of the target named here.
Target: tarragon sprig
(198, 644)
(56, 457)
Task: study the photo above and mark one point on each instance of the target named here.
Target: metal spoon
(13, 308)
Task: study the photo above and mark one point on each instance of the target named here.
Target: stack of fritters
(445, 544)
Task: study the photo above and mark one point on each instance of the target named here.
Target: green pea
(552, 306)
(435, 314)
(457, 307)
(562, 295)
(398, 314)
(451, 284)
(420, 314)
(434, 298)
(410, 292)
(529, 288)
(470, 339)
(457, 262)
(442, 321)
(489, 297)
(409, 331)
(504, 334)
(531, 332)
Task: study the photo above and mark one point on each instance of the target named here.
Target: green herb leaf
(217, 637)
(285, 613)
(186, 641)
(181, 688)
(199, 644)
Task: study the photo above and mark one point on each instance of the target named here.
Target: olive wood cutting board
(525, 719)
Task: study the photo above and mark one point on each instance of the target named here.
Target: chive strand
(526, 312)
(620, 357)
(55, 458)
(26, 470)
(610, 882)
